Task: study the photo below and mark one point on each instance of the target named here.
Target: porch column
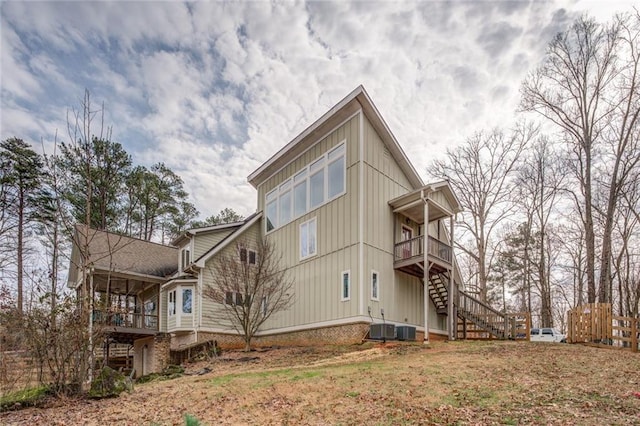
(425, 242)
(453, 320)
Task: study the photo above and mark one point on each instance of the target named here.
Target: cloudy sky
(214, 89)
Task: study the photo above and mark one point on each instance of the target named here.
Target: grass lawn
(445, 383)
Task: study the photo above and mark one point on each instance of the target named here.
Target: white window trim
(377, 274)
(342, 274)
(289, 185)
(308, 222)
(184, 249)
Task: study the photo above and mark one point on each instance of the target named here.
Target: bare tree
(588, 87)
(249, 285)
(480, 172)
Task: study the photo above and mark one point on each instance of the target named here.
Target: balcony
(125, 326)
(408, 255)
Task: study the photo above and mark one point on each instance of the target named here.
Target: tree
(480, 173)
(22, 181)
(103, 163)
(588, 87)
(226, 215)
(249, 286)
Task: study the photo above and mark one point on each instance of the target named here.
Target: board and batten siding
(212, 313)
(317, 279)
(400, 294)
(203, 242)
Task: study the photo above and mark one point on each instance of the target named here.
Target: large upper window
(317, 183)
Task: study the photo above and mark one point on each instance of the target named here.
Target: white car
(547, 335)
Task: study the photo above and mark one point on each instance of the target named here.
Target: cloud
(213, 89)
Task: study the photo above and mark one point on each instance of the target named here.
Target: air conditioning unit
(382, 331)
(405, 332)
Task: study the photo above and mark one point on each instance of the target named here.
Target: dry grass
(446, 383)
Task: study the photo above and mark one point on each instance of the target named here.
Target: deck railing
(126, 319)
(414, 247)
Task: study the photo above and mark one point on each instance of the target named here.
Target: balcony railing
(414, 247)
(126, 319)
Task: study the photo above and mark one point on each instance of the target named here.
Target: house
(360, 234)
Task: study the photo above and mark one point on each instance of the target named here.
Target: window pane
(337, 152)
(272, 215)
(345, 286)
(272, 195)
(319, 164)
(186, 300)
(336, 177)
(285, 208)
(316, 183)
(374, 285)
(252, 257)
(300, 199)
(300, 176)
(228, 298)
(285, 186)
(304, 240)
(312, 237)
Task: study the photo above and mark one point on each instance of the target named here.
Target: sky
(214, 89)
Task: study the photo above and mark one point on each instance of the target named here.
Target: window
(308, 239)
(300, 193)
(264, 306)
(317, 183)
(232, 298)
(345, 285)
(185, 258)
(172, 303)
(272, 210)
(187, 300)
(375, 285)
(336, 172)
(248, 256)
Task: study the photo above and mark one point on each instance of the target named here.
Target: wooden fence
(594, 323)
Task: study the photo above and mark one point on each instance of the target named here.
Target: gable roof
(195, 231)
(355, 101)
(248, 222)
(113, 252)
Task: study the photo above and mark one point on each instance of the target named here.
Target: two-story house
(363, 238)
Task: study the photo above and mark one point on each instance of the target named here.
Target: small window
(228, 298)
(248, 256)
(172, 303)
(185, 258)
(345, 285)
(187, 301)
(375, 286)
(264, 306)
(308, 234)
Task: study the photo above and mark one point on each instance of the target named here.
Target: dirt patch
(445, 383)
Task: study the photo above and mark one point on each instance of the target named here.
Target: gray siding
(203, 242)
(211, 310)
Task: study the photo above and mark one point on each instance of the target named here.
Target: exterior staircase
(472, 311)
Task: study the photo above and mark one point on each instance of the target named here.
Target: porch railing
(414, 247)
(126, 319)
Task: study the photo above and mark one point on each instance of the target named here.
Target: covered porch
(423, 245)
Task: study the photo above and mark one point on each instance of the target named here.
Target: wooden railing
(126, 319)
(414, 247)
(482, 315)
(594, 323)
